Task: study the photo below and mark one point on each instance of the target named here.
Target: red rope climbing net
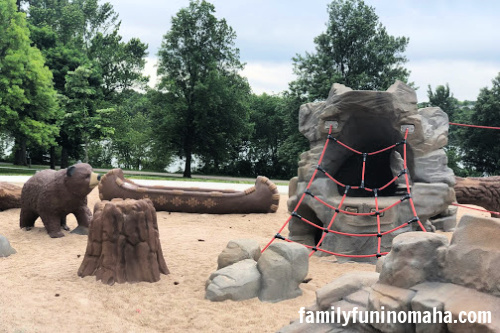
(477, 209)
(339, 210)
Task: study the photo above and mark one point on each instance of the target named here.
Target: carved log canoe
(261, 198)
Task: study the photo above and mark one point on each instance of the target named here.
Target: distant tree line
(71, 89)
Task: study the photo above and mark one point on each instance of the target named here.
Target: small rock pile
(422, 273)
(244, 273)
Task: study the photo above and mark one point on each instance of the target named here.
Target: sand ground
(40, 290)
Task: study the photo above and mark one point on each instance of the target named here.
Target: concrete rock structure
(422, 273)
(273, 276)
(369, 121)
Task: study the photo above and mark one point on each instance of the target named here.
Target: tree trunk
(188, 149)
(20, 154)
(53, 158)
(64, 157)
(86, 159)
(187, 166)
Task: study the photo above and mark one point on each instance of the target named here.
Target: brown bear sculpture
(53, 195)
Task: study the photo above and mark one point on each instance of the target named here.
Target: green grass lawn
(17, 170)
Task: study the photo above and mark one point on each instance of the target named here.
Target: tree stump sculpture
(124, 243)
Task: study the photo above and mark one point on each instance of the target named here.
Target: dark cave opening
(368, 133)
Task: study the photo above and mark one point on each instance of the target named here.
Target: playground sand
(40, 290)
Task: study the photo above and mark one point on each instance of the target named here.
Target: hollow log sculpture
(261, 198)
(480, 191)
(10, 196)
(124, 243)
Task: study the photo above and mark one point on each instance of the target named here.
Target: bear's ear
(70, 171)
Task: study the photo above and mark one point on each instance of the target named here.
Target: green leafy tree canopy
(356, 50)
(481, 145)
(28, 105)
(198, 67)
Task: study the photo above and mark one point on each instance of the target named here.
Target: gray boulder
(433, 168)
(343, 286)
(237, 282)
(414, 258)
(5, 248)
(429, 199)
(237, 250)
(384, 298)
(441, 297)
(473, 258)
(283, 267)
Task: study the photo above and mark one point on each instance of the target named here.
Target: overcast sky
(451, 41)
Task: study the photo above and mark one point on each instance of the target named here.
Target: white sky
(451, 41)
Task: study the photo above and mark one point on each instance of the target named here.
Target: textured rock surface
(283, 267)
(390, 298)
(5, 248)
(123, 243)
(10, 196)
(484, 192)
(433, 168)
(237, 250)
(430, 199)
(273, 276)
(454, 298)
(237, 282)
(414, 258)
(343, 286)
(473, 258)
(369, 121)
(424, 274)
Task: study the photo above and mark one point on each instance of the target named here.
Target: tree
(294, 142)
(267, 134)
(83, 119)
(355, 50)
(120, 64)
(28, 105)
(198, 66)
(76, 34)
(481, 148)
(444, 99)
(133, 141)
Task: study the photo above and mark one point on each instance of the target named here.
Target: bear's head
(80, 180)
